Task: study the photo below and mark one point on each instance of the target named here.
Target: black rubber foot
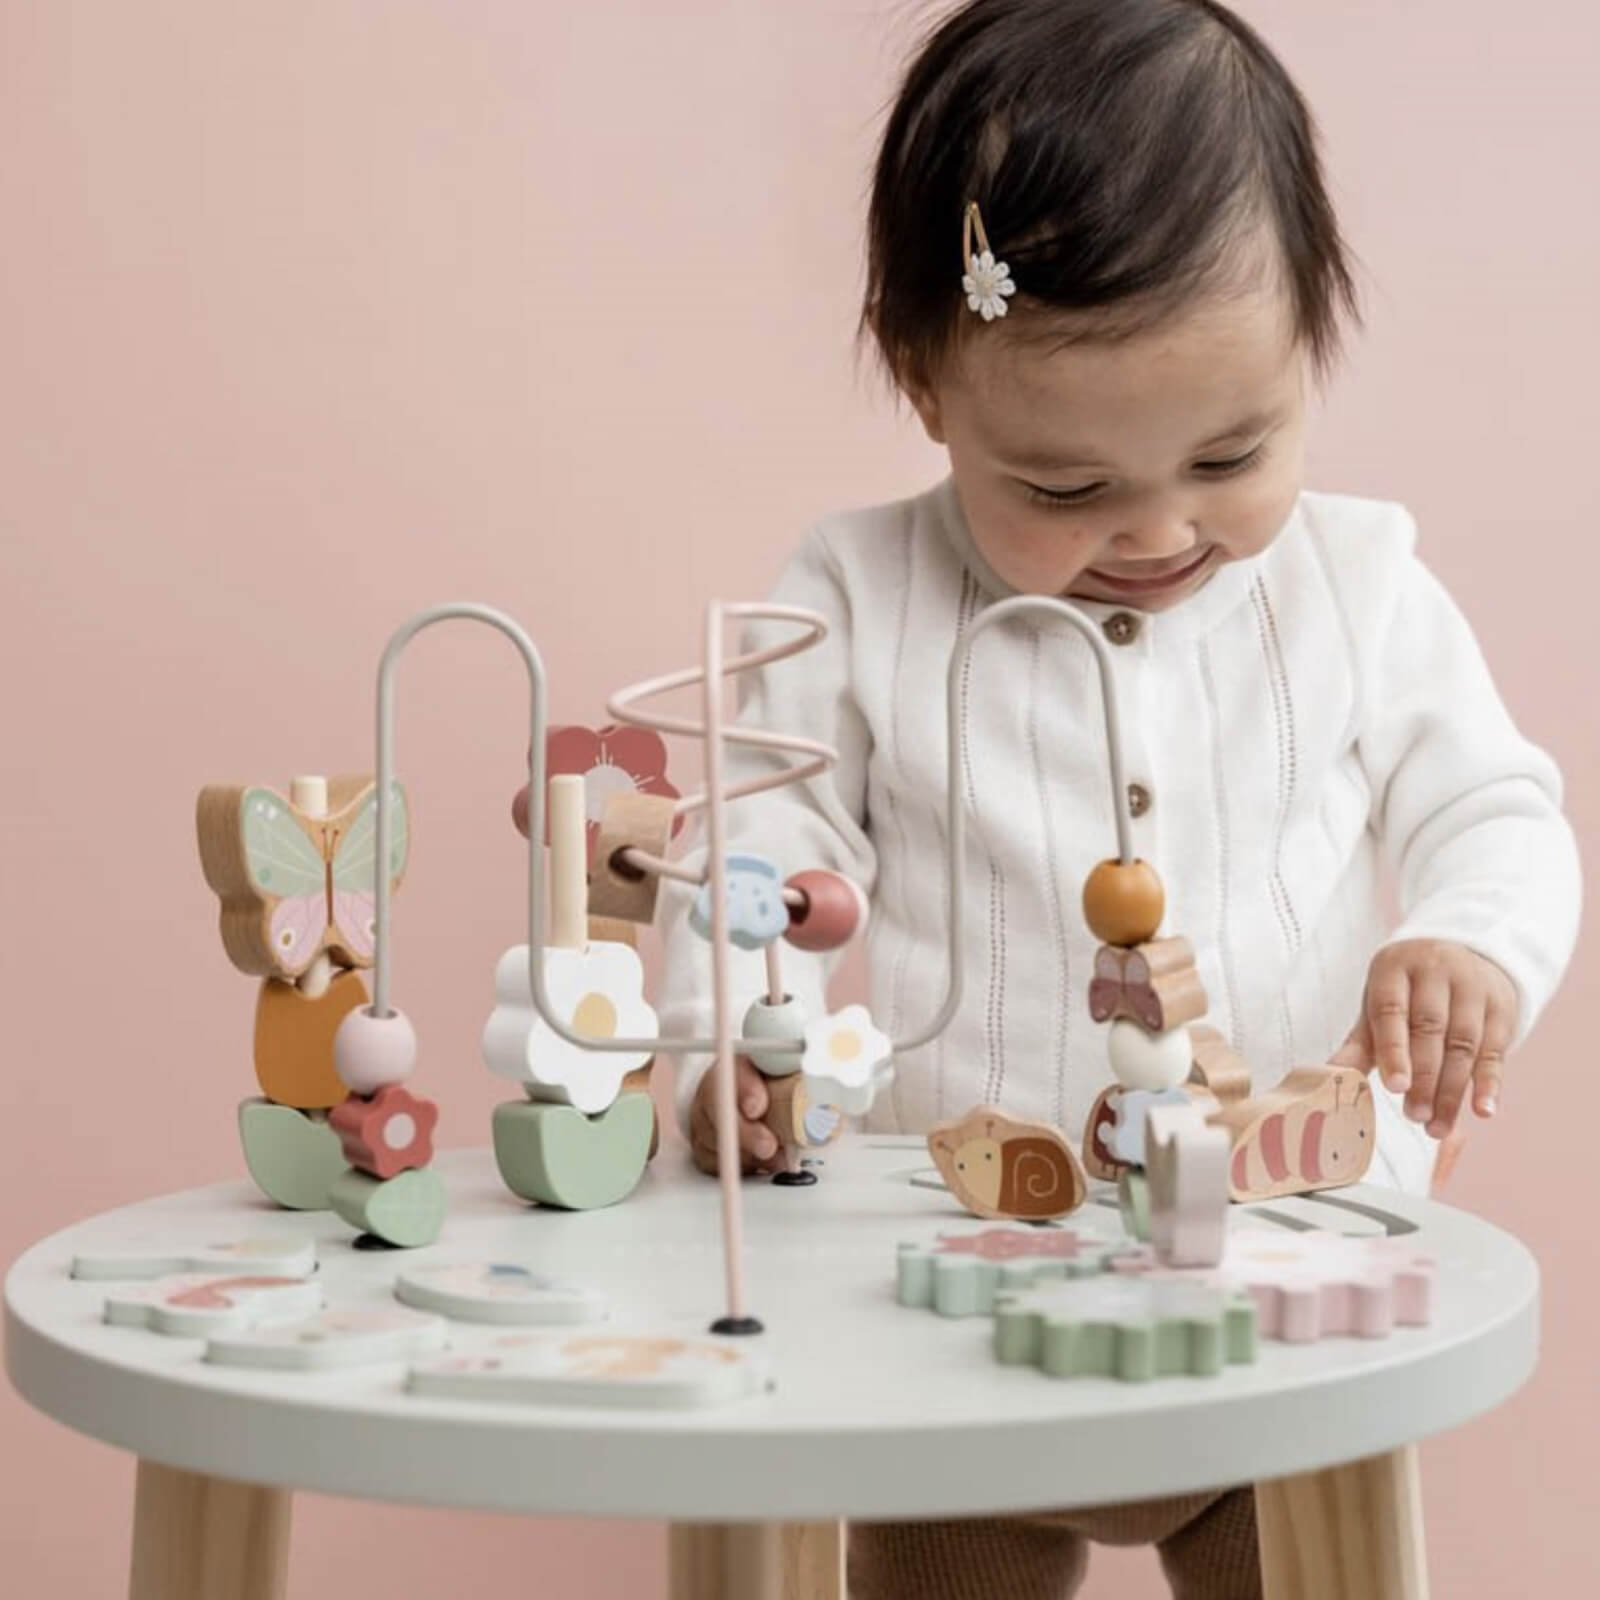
(794, 1180)
(370, 1241)
(740, 1327)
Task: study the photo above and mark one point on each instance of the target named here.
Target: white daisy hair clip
(986, 281)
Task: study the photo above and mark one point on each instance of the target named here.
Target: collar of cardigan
(1228, 588)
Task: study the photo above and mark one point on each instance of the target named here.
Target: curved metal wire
(955, 839)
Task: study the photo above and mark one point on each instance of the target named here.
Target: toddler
(1104, 270)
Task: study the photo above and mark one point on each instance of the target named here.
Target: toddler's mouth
(1151, 577)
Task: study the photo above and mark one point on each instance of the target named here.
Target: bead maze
(306, 886)
(304, 904)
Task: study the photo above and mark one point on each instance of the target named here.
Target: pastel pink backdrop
(314, 313)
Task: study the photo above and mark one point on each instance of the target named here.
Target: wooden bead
(784, 1021)
(388, 1134)
(835, 910)
(1141, 1060)
(371, 1051)
(1123, 902)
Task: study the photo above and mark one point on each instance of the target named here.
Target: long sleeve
(1468, 811)
(817, 823)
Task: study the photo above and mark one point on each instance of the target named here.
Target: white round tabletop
(876, 1411)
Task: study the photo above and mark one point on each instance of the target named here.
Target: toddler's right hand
(758, 1145)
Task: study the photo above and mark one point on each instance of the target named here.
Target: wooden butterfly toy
(294, 883)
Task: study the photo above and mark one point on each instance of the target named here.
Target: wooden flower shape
(388, 1134)
(608, 760)
(599, 992)
(846, 1061)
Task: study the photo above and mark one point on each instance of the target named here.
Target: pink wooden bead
(370, 1051)
(834, 911)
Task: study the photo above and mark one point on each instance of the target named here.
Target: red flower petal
(640, 752)
(572, 750)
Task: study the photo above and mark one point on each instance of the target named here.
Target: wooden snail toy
(998, 1168)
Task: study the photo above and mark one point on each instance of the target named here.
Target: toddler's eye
(1232, 464)
(1062, 497)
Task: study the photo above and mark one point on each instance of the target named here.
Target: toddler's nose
(1157, 538)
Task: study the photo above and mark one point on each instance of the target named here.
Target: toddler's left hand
(1437, 1017)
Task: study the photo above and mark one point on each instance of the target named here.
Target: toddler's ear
(925, 403)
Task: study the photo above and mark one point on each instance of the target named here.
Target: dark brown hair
(1115, 148)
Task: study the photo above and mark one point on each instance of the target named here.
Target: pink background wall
(314, 312)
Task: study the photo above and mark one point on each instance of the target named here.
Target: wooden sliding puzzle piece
(637, 821)
(136, 1258)
(293, 885)
(1125, 1138)
(1125, 1327)
(294, 1040)
(557, 1156)
(756, 912)
(795, 1119)
(406, 1210)
(959, 1275)
(332, 1339)
(1156, 985)
(196, 1307)
(1317, 1129)
(389, 1133)
(846, 1060)
(1186, 1179)
(1310, 1286)
(1099, 1160)
(503, 1292)
(598, 1369)
(1218, 1069)
(599, 992)
(1002, 1169)
(293, 1158)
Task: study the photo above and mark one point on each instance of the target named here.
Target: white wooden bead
(786, 1020)
(370, 1051)
(1141, 1060)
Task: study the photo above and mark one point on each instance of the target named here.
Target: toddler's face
(1127, 471)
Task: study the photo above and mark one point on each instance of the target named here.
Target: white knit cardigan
(1328, 767)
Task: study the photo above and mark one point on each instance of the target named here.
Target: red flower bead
(389, 1133)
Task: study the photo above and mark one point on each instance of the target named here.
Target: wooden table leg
(199, 1538)
(1346, 1533)
(757, 1561)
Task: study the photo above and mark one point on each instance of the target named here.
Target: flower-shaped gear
(388, 1134)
